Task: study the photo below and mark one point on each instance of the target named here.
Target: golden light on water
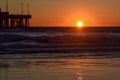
(79, 24)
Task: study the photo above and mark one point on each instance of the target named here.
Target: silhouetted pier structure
(14, 20)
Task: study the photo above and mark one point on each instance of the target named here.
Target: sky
(68, 12)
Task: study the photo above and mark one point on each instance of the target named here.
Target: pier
(8, 20)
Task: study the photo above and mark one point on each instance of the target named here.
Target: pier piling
(14, 20)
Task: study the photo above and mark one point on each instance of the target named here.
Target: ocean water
(63, 53)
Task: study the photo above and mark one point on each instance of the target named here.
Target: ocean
(60, 53)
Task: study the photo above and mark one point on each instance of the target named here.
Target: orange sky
(68, 12)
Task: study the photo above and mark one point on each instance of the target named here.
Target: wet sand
(60, 69)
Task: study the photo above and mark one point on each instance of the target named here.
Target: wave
(55, 41)
(88, 54)
(9, 37)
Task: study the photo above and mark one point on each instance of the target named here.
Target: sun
(79, 24)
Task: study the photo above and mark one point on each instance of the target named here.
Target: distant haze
(68, 12)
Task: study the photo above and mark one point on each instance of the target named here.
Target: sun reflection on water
(80, 76)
